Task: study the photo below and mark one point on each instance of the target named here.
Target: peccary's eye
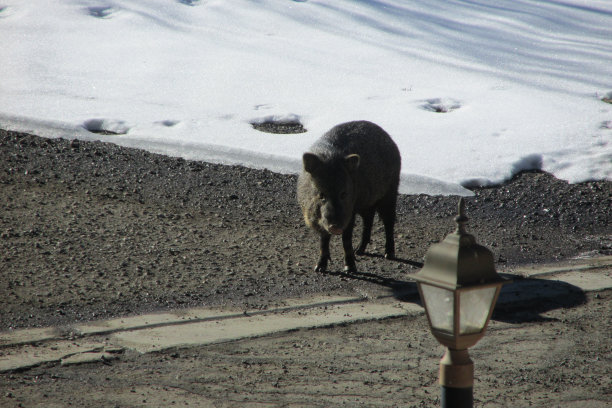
(322, 196)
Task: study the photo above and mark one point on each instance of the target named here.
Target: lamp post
(459, 286)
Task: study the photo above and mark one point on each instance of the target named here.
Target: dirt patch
(279, 127)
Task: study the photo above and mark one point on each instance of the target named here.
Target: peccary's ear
(352, 162)
(312, 162)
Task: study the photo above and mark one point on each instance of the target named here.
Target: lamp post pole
(459, 286)
(456, 379)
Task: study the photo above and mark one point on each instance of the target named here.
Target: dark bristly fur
(354, 168)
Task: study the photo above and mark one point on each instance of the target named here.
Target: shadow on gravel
(402, 290)
(405, 291)
(525, 299)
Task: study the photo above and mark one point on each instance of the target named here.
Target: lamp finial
(461, 218)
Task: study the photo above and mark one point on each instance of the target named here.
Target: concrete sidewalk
(104, 340)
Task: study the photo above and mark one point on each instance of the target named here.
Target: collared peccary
(354, 168)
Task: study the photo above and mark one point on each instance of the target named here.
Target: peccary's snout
(327, 193)
(334, 217)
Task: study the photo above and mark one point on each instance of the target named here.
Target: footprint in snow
(190, 2)
(6, 11)
(168, 122)
(101, 11)
(441, 105)
(106, 126)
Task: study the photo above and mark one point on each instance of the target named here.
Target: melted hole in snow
(106, 126)
(101, 11)
(280, 127)
(440, 105)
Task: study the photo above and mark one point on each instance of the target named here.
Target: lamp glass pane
(474, 309)
(439, 304)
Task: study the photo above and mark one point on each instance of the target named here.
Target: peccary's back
(380, 161)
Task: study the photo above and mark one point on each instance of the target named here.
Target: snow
(472, 91)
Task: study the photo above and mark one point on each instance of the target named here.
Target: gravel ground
(91, 230)
(560, 358)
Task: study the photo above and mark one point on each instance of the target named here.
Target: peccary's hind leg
(368, 220)
(347, 245)
(386, 210)
(324, 256)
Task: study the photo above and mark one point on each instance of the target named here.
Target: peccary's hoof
(320, 268)
(350, 268)
(390, 256)
(360, 251)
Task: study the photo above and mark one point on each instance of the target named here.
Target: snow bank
(472, 92)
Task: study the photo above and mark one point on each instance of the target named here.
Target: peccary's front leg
(347, 245)
(324, 256)
(368, 220)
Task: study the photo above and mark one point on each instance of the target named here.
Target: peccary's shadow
(399, 288)
(403, 290)
(525, 299)
(400, 260)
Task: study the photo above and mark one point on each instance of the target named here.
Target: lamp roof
(458, 261)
